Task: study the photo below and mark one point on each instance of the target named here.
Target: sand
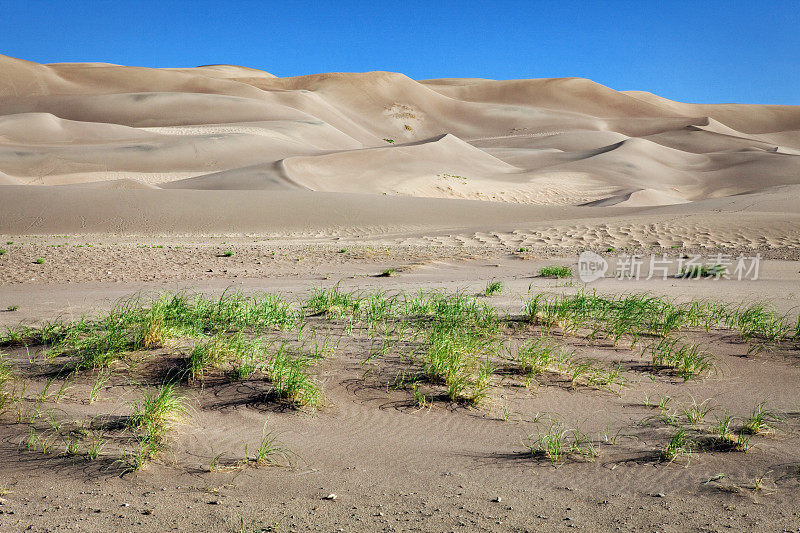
(130, 181)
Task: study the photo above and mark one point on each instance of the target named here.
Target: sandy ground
(394, 466)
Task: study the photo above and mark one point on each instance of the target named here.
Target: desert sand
(120, 182)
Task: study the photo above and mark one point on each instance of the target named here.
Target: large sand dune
(117, 130)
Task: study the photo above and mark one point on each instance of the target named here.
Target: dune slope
(217, 128)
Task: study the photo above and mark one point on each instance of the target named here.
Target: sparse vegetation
(557, 272)
(677, 445)
(761, 421)
(269, 451)
(452, 349)
(289, 375)
(492, 288)
(154, 414)
(555, 442)
(703, 271)
(687, 360)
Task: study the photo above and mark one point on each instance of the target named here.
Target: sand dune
(118, 184)
(216, 128)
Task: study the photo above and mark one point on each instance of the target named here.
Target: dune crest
(217, 128)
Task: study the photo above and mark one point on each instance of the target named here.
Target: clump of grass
(726, 438)
(760, 322)
(539, 355)
(482, 383)
(137, 459)
(687, 360)
(451, 311)
(71, 447)
(130, 326)
(99, 348)
(102, 378)
(155, 413)
(633, 315)
(227, 253)
(389, 272)
(33, 438)
(492, 288)
(152, 331)
(39, 260)
(7, 378)
(554, 271)
(234, 352)
(2, 251)
(677, 445)
(696, 413)
(269, 451)
(420, 400)
(703, 271)
(556, 442)
(334, 302)
(534, 357)
(761, 421)
(452, 360)
(291, 380)
(96, 445)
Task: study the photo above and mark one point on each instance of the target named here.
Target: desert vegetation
(431, 347)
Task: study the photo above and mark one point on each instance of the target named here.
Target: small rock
(498, 499)
(126, 505)
(331, 496)
(213, 502)
(659, 495)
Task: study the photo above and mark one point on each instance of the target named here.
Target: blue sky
(695, 51)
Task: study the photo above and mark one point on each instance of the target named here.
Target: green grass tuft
(677, 445)
(555, 272)
(492, 288)
(155, 413)
(556, 442)
(703, 271)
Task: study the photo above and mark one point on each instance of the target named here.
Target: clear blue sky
(694, 51)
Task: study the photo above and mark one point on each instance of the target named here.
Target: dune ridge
(218, 128)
